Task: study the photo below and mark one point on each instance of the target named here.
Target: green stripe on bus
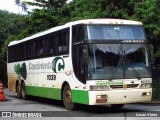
(52, 93)
(78, 96)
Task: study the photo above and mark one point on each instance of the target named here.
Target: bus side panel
(52, 93)
(12, 82)
(12, 77)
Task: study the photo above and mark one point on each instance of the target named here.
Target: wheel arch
(19, 82)
(63, 85)
(23, 89)
(22, 81)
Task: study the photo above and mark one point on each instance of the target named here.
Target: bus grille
(124, 86)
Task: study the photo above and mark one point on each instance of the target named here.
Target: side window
(14, 53)
(60, 42)
(53, 44)
(30, 49)
(35, 48)
(63, 41)
(25, 50)
(66, 40)
(40, 47)
(21, 51)
(57, 43)
(50, 45)
(18, 52)
(47, 45)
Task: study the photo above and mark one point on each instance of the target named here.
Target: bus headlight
(146, 85)
(101, 96)
(96, 88)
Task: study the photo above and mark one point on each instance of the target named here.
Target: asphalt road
(52, 109)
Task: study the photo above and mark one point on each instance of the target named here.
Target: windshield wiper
(135, 71)
(137, 74)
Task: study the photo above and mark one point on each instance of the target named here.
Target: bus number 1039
(51, 77)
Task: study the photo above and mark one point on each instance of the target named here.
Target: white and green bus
(92, 62)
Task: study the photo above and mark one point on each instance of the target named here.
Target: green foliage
(3, 53)
(22, 4)
(85, 9)
(39, 20)
(54, 5)
(156, 88)
(148, 12)
(10, 25)
(52, 13)
(6, 19)
(16, 27)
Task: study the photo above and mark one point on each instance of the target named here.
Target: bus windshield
(114, 32)
(118, 61)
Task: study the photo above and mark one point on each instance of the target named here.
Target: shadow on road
(83, 110)
(98, 109)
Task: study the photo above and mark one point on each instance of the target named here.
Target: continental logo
(58, 64)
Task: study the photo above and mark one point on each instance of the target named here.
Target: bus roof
(85, 21)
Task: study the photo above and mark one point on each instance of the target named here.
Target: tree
(146, 11)
(82, 9)
(48, 4)
(18, 3)
(7, 24)
(10, 25)
(57, 12)
(24, 6)
(46, 16)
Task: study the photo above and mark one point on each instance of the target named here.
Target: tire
(117, 106)
(67, 98)
(24, 95)
(18, 90)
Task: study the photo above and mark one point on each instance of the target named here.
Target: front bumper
(120, 96)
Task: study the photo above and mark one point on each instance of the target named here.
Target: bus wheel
(18, 90)
(24, 96)
(117, 106)
(67, 98)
